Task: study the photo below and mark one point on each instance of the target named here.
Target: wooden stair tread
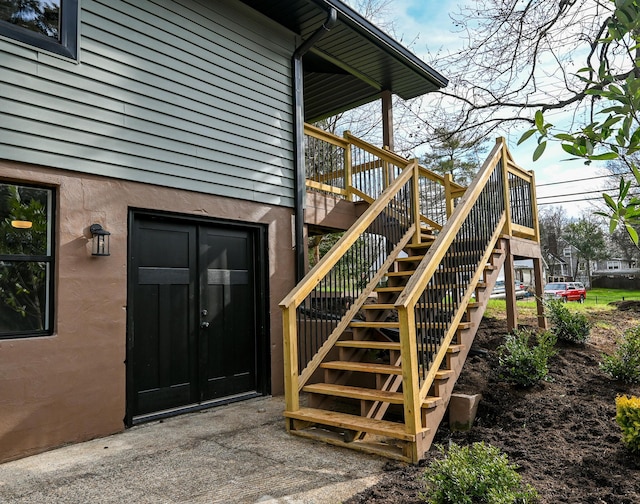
(386, 345)
(400, 273)
(444, 374)
(363, 367)
(399, 288)
(378, 306)
(413, 258)
(396, 325)
(352, 422)
(360, 393)
(431, 401)
(425, 244)
(371, 345)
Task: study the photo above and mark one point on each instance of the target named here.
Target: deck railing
(349, 168)
(434, 301)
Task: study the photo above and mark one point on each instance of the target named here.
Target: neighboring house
(177, 127)
(524, 271)
(615, 264)
(566, 265)
(616, 273)
(558, 267)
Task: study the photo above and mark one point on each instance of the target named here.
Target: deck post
(347, 169)
(415, 195)
(543, 323)
(410, 381)
(509, 289)
(504, 159)
(290, 346)
(534, 207)
(387, 119)
(448, 193)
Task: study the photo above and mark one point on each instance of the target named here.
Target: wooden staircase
(362, 380)
(377, 374)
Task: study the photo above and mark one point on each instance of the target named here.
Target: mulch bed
(561, 433)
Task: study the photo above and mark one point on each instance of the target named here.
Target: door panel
(194, 329)
(164, 332)
(228, 297)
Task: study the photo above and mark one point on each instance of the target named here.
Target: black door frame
(263, 354)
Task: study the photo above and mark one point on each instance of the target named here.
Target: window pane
(24, 214)
(40, 16)
(24, 297)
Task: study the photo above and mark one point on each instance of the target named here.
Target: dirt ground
(561, 433)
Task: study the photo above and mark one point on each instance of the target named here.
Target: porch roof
(353, 62)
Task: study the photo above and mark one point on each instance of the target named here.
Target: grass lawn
(597, 300)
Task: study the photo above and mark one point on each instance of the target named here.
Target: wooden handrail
(385, 155)
(518, 171)
(325, 136)
(319, 271)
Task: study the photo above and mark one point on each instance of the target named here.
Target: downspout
(298, 121)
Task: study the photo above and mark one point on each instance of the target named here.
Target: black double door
(194, 332)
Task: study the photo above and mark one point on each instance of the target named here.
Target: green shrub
(628, 418)
(523, 363)
(624, 364)
(475, 474)
(571, 327)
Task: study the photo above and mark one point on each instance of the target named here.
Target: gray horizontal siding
(186, 94)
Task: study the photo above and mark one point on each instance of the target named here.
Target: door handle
(204, 324)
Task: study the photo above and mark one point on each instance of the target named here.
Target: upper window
(51, 25)
(26, 260)
(613, 265)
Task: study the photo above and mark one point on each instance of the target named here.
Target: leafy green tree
(588, 238)
(455, 154)
(614, 130)
(552, 222)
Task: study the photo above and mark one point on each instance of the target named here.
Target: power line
(580, 180)
(577, 193)
(569, 201)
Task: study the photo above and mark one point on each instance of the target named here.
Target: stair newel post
(504, 159)
(347, 167)
(415, 196)
(290, 344)
(410, 378)
(534, 208)
(387, 173)
(448, 194)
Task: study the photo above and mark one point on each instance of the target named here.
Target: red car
(566, 291)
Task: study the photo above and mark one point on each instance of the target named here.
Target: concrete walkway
(230, 454)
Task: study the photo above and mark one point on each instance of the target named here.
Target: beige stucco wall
(70, 386)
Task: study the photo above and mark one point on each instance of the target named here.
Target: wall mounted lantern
(100, 240)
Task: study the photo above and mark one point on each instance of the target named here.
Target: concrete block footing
(462, 411)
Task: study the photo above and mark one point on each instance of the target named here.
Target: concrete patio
(239, 453)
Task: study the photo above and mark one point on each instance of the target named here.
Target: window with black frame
(51, 25)
(26, 260)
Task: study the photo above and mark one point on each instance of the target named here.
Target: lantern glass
(100, 240)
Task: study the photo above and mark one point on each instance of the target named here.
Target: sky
(425, 25)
